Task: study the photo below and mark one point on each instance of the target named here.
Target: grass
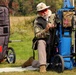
(69, 72)
(21, 29)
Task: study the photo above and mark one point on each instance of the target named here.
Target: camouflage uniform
(39, 31)
(41, 34)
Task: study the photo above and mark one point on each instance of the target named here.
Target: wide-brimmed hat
(42, 6)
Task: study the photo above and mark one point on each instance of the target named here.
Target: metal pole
(72, 2)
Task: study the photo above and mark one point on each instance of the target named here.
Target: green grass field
(21, 29)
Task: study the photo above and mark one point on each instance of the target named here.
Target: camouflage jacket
(39, 27)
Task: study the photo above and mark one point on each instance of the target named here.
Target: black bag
(35, 43)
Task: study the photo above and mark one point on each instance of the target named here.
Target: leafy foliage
(28, 7)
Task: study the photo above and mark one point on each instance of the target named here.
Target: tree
(54, 4)
(26, 7)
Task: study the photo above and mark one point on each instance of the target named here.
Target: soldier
(41, 30)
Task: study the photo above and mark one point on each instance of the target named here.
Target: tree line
(28, 7)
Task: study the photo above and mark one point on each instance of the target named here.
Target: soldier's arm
(39, 32)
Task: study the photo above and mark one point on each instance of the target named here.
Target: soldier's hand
(48, 26)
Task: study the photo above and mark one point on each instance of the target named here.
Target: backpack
(4, 30)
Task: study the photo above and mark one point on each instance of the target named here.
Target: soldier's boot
(43, 68)
(28, 62)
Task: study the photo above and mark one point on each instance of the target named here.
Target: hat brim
(44, 8)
